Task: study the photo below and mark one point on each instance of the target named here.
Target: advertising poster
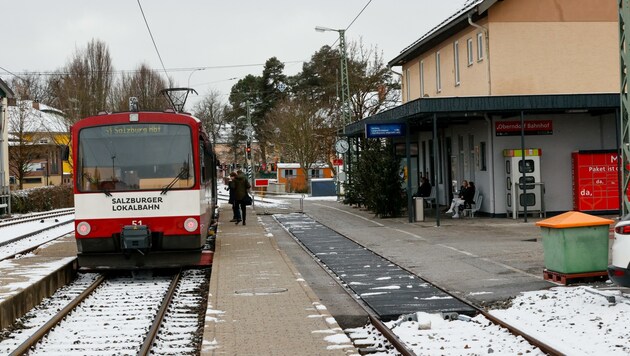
(596, 181)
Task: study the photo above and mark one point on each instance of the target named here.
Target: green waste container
(575, 242)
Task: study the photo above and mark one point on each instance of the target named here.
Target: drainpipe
(487, 49)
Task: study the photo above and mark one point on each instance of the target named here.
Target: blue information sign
(384, 130)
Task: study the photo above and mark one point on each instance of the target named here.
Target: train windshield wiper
(183, 173)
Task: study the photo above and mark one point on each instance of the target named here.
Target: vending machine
(523, 190)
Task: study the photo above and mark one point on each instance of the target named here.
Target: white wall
(571, 132)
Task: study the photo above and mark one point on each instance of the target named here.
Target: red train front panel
(142, 185)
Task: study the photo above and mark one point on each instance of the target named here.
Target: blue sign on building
(384, 130)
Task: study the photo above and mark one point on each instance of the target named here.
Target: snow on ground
(580, 320)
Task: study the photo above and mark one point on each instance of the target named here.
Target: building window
(479, 47)
(43, 141)
(422, 79)
(469, 45)
(317, 173)
(408, 84)
(288, 173)
(456, 62)
(33, 180)
(438, 79)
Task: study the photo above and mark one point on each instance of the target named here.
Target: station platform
(26, 281)
(258, 302)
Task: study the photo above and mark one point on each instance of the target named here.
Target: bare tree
(29, 86)
(144, 84)
(24, 130)
(212, 113)
(373, 88)
(83, 86)
(303, 131)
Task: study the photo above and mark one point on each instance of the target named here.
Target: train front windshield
(135, 157)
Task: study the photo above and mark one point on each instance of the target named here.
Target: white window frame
(438, 77)
(479, 46)
(471, 56)
(422, 92)
(288, 173)
(456, 62)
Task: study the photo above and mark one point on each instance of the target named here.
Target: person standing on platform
(236, 213)
(241, 190)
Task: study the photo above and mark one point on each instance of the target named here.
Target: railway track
(36, 216)
(389, 341)
(116, 315)
(25, 234)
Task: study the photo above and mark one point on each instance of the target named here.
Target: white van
(619, 270)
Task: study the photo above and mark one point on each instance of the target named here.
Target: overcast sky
(41, 35)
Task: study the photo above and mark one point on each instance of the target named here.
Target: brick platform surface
(258, 302)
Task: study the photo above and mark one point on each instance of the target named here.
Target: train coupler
(135, 237)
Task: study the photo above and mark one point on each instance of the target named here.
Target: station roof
(448, 110)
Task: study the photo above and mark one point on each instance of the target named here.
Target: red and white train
(144, 190)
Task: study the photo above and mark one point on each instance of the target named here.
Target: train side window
(202, 160)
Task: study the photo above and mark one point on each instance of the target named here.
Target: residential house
(37, 135)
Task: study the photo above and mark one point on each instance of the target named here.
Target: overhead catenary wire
(171, 70)
(153, 40)
(13, 74)
(352, 22)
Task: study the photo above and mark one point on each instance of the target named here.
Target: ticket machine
(523, 189)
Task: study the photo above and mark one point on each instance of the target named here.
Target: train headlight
(191, 224)
(83, 228)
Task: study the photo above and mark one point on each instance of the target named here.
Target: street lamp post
(345, 92)
(191, 73)
(345, 85)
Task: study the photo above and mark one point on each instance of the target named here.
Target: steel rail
(389, 334)
(166, 301)
(44, 329)
(515, 331)
(549, 350)
(38, 216)
(17, 238)
(28, 249)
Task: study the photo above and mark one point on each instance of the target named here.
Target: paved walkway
(258, 302)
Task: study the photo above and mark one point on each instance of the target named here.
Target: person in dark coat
(236, 214)
(241, 188)
(469, 195)
(425, 188)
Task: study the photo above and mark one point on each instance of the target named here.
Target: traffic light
(248, 151)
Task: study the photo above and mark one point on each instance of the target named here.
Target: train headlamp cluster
(83, 228)
(191, 224)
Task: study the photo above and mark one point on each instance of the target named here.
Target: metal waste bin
(575, 242)
(418, 208)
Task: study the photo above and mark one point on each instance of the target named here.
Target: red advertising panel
(261, 182)
(595, 180)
